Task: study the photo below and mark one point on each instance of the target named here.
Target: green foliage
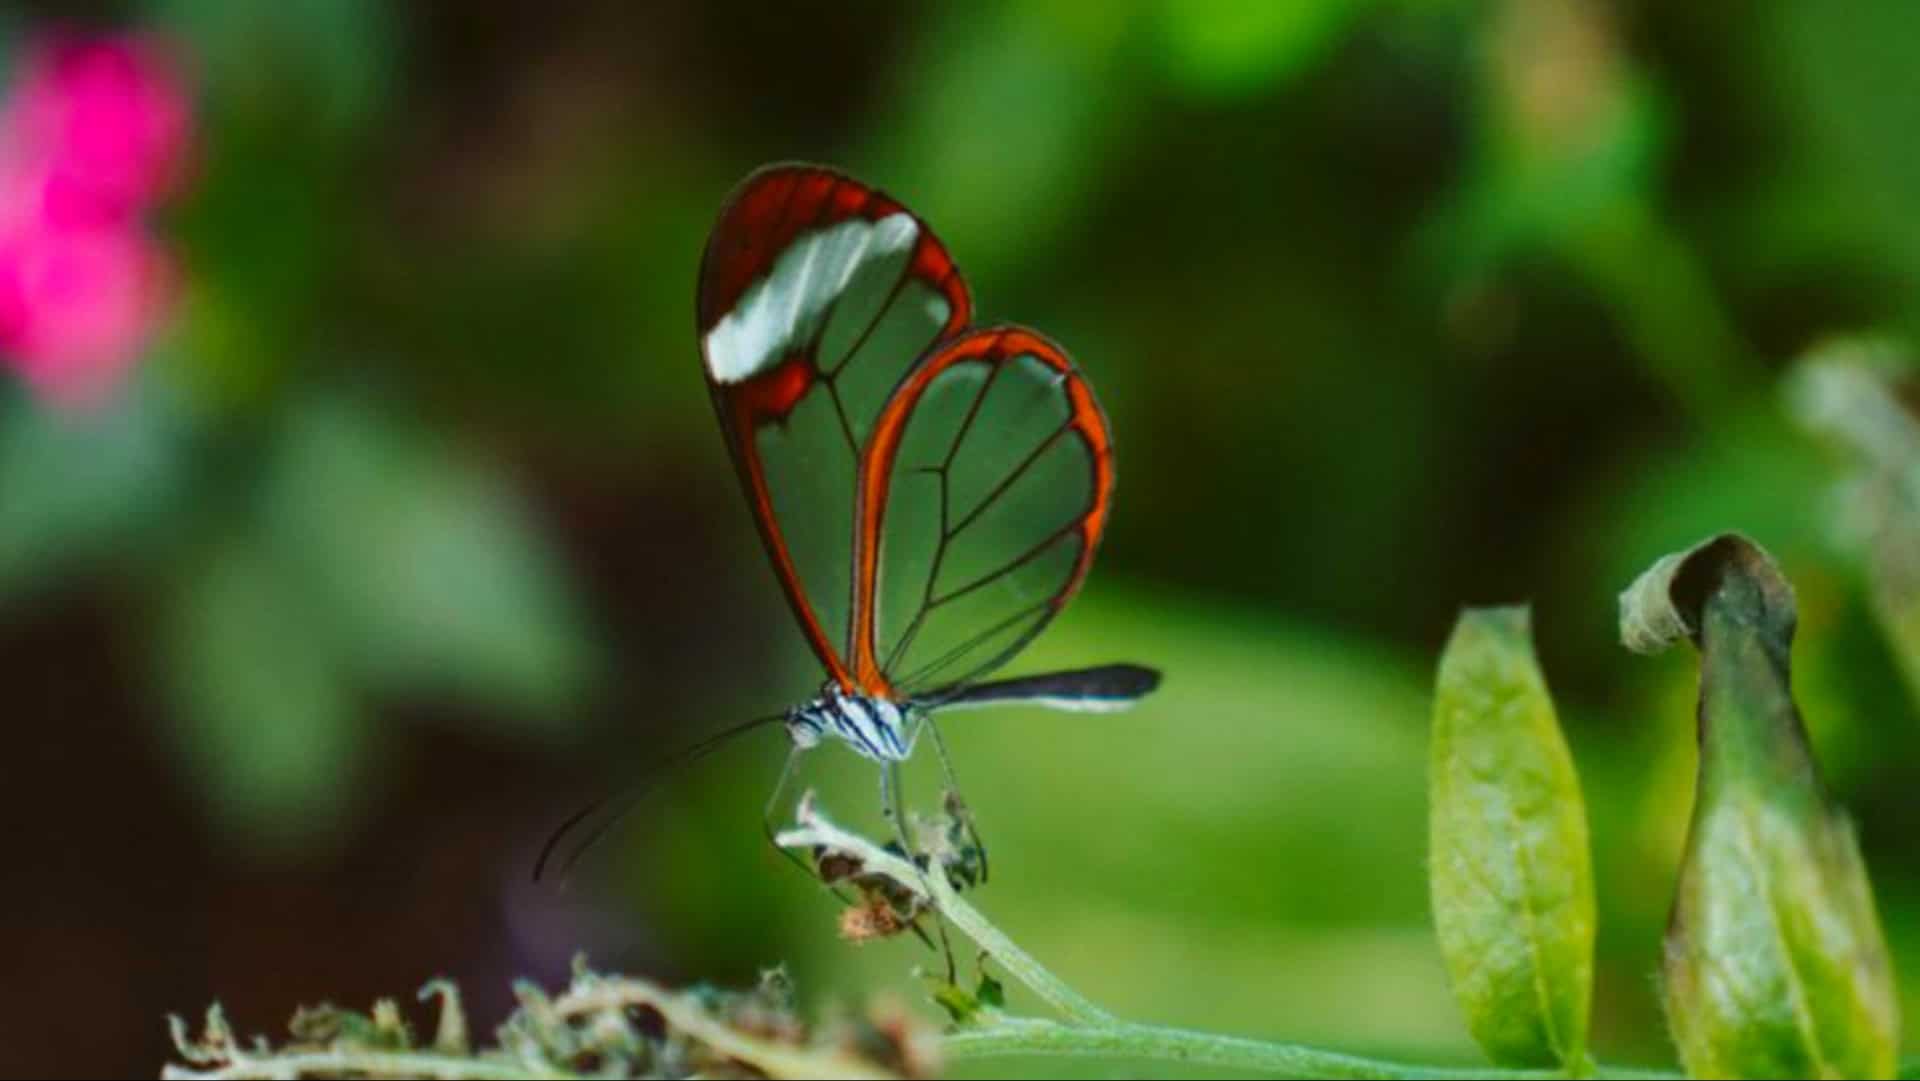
(1511, 876)
(324, 62)
(1314, 750)
(375, 559)
(1235, 48)
(1568, 138)
(488, 226)
(80, 488)
(420, 566)
(1775, 961)
(1858, 394)
(264, 712)
(1843, 73)
(1008, 64)
(362, 556)
(1776, 965)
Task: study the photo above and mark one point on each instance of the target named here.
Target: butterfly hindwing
(984, 490)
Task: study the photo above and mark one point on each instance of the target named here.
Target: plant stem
(816, 831)
(1031, 1036)
(1003, 1035)
(1090, 1031)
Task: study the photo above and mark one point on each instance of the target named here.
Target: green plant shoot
(1775, 962)
(1512, 879)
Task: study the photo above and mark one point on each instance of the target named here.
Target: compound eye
(804, 734)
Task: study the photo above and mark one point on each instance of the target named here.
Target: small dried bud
(834, 867)
(873, 916)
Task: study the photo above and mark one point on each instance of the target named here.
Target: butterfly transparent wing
(983, 494)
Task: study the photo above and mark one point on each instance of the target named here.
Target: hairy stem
(1090, 1031)
(815, 831)
(1005, 1035)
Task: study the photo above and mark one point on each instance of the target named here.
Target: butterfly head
(805, 726)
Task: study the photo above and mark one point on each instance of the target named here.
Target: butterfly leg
(772, 831)
(893, 804)
(962, 811)
(773, 808)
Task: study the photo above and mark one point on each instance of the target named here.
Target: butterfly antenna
(616, 806)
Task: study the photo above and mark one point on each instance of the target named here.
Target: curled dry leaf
(1776, 965)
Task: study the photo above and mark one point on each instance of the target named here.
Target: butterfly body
(874, 728)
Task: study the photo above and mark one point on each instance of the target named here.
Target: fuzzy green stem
(1092, 1032)
(1124, 1040)
(815, 830)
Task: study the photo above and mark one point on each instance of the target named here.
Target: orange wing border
(1086, 421)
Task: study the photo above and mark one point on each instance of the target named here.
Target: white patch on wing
(937, 308)
(787, 305)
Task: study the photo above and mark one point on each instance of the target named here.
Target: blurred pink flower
(77, 305)
(107, 117)
(91, 133)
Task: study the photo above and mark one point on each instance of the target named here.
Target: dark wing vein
(1013, 476)
(880, 313)
(962, 649)
(942, 471)
(840, 411)
(1011, 565)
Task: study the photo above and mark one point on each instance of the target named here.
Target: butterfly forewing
(884, 323)
(816, 293)
(810, 476)
(983, 493)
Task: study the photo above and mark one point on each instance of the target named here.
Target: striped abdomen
(874, 727)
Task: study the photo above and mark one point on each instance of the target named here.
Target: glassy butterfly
(930, 493)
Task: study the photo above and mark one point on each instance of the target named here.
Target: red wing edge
(991, 346)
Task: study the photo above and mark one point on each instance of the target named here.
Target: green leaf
(421, 566)
(1512, 877)
(1569, 143)
(1844, 77)
(1046, 74)
(1547, 171)
(79, 485)
(266, 721)
(290, 94)
(990, 992)
(1233, 48)
(1776, 965)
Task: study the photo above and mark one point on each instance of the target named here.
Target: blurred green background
(412, 531)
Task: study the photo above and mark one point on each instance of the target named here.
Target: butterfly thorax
(874, 727)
